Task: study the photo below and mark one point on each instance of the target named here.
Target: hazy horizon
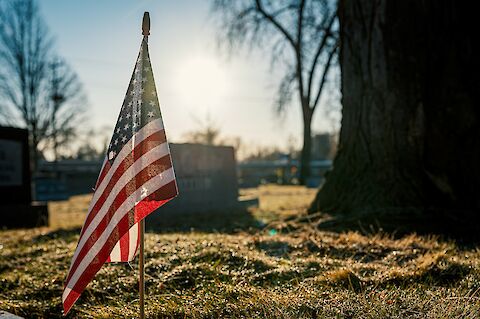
(194, 78)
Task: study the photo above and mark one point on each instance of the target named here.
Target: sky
(194, 78)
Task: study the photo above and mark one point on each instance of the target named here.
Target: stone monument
(16, 205)
(207, 183)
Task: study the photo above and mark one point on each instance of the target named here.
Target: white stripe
(133, 237)
(65, 294)
(115, 255)
(137, 138)
(147, 158)
(151, 186)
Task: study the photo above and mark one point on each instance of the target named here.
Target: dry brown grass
(284, 270)
(70, 213)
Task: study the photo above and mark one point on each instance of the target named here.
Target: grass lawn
(271, 266)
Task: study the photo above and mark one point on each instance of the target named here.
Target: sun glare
(201, 82)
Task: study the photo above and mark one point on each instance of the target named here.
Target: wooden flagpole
(141, 260)
(141, 281)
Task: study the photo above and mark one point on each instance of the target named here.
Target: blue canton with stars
(140, 105)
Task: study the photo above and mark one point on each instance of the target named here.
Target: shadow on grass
(215, 221)
(65, 234)
(461, 226)
(437, 275)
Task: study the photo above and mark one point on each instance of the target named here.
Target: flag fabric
(136, 178)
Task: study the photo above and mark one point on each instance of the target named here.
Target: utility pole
(57, 99)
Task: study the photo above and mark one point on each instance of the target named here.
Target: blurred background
(251, 93)
(215, 88)
(327, 155)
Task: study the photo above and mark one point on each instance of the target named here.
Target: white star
(135, 81)
(144, 79)
(120, 118)
(128, 115)
(124, 139)
(150, 114)
(141, 91)
(146, 68)
(126, 127)
(143, 194)
(130, 104)
(152, 103)
(111, 155)
(116, 141)
(117, 130)
(134, 125)
(154, 93)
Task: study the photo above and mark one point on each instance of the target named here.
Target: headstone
(16, 207)
(7, 315)
(207, 182)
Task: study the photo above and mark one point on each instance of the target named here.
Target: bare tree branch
(277, 24)
(26, 80)
(324, 76)
(319, 50)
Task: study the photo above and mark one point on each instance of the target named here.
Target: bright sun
(201, 82)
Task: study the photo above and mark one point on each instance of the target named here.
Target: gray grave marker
(207, 182)
(16, 204)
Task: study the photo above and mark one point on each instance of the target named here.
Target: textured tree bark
(410, 138)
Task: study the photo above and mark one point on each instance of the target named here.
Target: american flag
(136, 178)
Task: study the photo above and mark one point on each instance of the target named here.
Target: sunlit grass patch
(282, 270)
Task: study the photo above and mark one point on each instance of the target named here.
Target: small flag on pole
(136, 178)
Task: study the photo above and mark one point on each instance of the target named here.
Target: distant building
(65, 178)
(324, 146)
(280, 171)
(252, 173)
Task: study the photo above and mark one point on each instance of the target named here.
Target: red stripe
(124, 245)
(122, 227)
(143, 176)
(69, 301)
(149, 203)
(101, 257)
(146, 145)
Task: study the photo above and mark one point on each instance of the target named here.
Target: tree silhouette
(37, 89)
(300, 35)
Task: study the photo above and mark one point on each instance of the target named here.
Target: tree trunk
(410, 138)
(307, 146)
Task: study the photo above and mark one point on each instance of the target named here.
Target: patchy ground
(273, 267)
